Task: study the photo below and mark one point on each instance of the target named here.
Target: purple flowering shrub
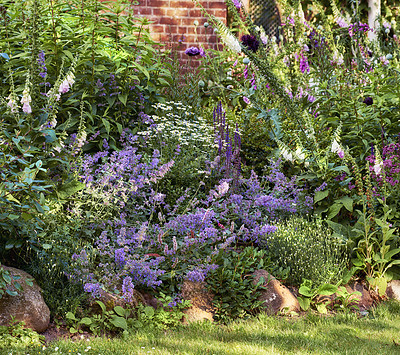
(143, 242)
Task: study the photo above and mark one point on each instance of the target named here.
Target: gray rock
(28, 306)
(393, 289)
(276, 298)
(202, 302)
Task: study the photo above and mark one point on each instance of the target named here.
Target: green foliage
(15, 336)
(235, 294)
(308, 249)
(169, 314)
(100, 324)
(318, 297)
(119, 70)
(9, 283)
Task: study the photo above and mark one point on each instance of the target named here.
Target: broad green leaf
(70, 188)
(102, 305)
(86, 321)
(321, 308)
(326, 290)
(119, 310)
(334, 210)
(306, 291)
(347, 203)
(320, 195)
(304, 303)
(119, 322)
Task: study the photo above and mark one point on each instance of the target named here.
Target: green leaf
(347, 203)
(102, 305)
(39, 208)
(86, 321)
(46, 246)
(11, 293)
(326, 290)
(119, 310)
(70, 316)
(320, 195)
(305, 291)
(7, 278)
(26, 216)
(149, 311)
(123, 98)
(119, 322)
(12, 217)
(389, 254)
(304, 303)
(334, 210)
(321, 308)
(70, 188)
(106, 125)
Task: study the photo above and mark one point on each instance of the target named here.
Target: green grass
(312, 334)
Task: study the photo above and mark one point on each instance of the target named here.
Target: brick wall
(174, 22)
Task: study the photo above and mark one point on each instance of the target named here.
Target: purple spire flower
(250, 42)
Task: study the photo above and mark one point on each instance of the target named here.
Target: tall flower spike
(26, 100)
(227, 37)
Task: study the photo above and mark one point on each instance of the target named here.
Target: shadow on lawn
(363, 337)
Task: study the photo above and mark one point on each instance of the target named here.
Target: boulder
(28, 306)
(363, 300)
(276, 297)
(195, 314)
(393, 289)
(202, 301)
(112, 300)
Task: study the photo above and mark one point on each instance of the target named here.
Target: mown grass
(378, 333)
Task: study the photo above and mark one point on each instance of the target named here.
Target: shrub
(235, 294)
(308, 249)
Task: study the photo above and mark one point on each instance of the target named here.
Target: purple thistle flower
(193, 51)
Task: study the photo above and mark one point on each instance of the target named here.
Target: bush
(235, 294)
(308, 249)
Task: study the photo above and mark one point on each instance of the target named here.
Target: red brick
(169, 21)
(144, 11)
(182, 3)
(179, 30)
(160, 11)
(216, 5)
(158, 3)
(221, 13)
(177, 12)
(158, 28)
(195, 13)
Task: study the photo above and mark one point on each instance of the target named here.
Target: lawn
(345, 333)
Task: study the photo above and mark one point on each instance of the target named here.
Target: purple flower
(250, 42)
(246, 100)
(304, 66)
(368, 101)
(237, 4)
(42, 64)
(193, 51)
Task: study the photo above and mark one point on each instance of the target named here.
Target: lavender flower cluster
(134, 247)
